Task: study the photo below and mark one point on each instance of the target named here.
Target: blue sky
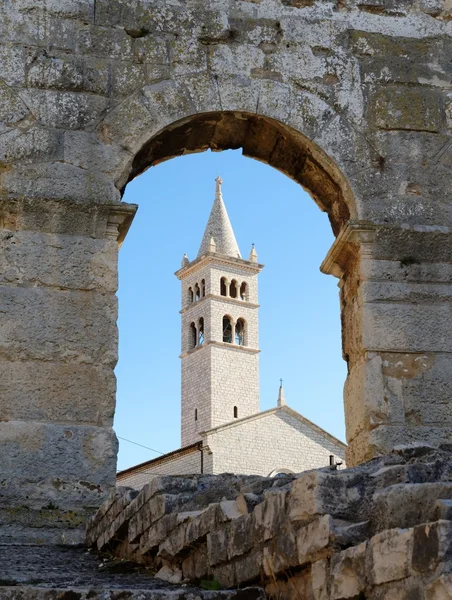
(299, 314)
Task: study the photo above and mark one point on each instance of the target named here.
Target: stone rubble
(378, 531)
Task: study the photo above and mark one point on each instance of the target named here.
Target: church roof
(219, 228)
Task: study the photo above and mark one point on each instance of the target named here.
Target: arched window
(190, 294)
(227, 330)
(193, 336)
(236, 412)
(244, 291)
(280, 473)
(203, 287)
(196, 414)
(223, 291)
(240, 332)
(201, 332)
(233, 289)
(197, 292)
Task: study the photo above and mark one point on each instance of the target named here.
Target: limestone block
(59, 181)
(85, 150)
(168, 101)
(416, 108)
(217, 545)
(196, 566)
(149, 513)
(280, 553)
(314, 538)
(269, 515)
(153, 536)
(389, 555)
(367, 403)
(384, 438)
(68, 73)
(348, 572)
(130, 124)
(36, 143)
(12, 108)
(240, 532)
(322, 492)
(167, 484)
(225, 575)
(14, 60)
(249, 567)
(97, 41)
(52, 325)
(56, 391)
(70, 9)
(406, 505)
(71, 110)
(431, 545)
(60, 261)
(422, 376)
(404, 327)
(62, 465)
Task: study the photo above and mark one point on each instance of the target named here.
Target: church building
(222, 427)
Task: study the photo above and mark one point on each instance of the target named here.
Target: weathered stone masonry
(352, 99)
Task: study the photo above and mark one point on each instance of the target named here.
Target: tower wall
(234, 373)
(196, 395)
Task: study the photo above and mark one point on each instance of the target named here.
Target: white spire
(219, 228)
(253, 254)
(281, 395)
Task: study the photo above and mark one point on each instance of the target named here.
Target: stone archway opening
(261, 138)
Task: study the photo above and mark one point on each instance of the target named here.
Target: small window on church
(193, 336)
(190, 294)
(236, 412)
(244, 291)
(203, 287)
(240, 332)
(227, 330)
(223, 291)
(201, 332)
(196, 414)
(233, 289)
(197, 293)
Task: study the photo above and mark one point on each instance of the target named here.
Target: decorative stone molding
(355, 232)
(119, 220)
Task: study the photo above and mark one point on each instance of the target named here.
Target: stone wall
(350, 98)
(381, 531)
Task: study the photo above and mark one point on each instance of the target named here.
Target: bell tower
(220, 333)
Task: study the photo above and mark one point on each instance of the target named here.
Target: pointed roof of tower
(219, 228)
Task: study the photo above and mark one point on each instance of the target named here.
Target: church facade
(222, 429)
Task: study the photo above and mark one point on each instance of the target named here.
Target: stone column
(58, 349)
(396, 301)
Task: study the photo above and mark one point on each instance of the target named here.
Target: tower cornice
(221, 259)
(226, 345)
(222, 299)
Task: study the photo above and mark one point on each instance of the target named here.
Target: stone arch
(263, 138)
